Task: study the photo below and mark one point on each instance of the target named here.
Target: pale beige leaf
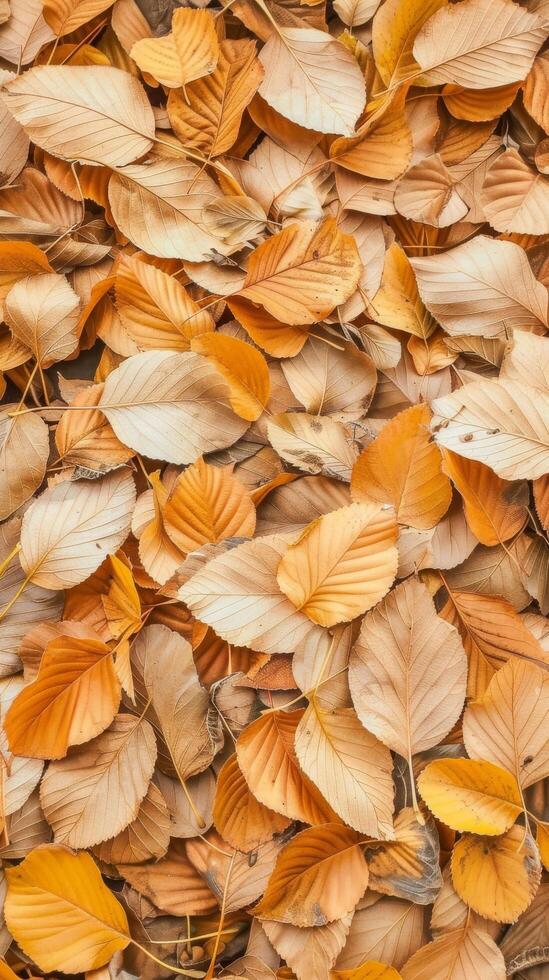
(42, 313)
(507, 724)
(97, 790)
(34, 605)
(313, 444)
(159, 206)
(238, 595)
(68, 531)
(342, 564)
(481, 287)
(329, 381)
(389, 931)
(515, 196)
(353, 13)
(504, 424)
(95, 114)
(527, 360)
(313, 80)
(146, 837)
(350, 767)
(408, 671)
(479, 44)
(291, 507)
(309, 952)
(494, 572)
(24, 450)
(463, 954)
(25, 32)
(427, 193)
(178, 700)
(14, 146)
(241, 881)
(154, 399)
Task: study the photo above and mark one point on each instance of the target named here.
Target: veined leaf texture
(274, 489)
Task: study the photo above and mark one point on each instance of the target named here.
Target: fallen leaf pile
(274, 489)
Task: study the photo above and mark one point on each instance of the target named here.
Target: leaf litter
(274, 489)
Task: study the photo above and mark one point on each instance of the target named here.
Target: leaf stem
(211, 968)
(8, 558)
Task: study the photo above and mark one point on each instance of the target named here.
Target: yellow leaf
(404, 467)
(188, 52)
(498, 878)
(343, 563)
(81, 923)
(470, 795)
(121, 604)
(319, 876)
(74, 698)
(244, 369)
(207, 503)
(395, 26)
(371, 970)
